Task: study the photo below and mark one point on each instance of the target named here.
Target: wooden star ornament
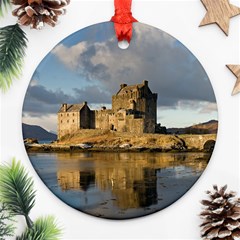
(219, 12)
(235, 69)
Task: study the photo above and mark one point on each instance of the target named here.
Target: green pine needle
(43, 229)
(16, 189)
(13, 43)
(6, 219)
(4, 6)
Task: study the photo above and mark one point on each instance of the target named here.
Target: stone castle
(134, 110)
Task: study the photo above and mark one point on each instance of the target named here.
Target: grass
(109, 138)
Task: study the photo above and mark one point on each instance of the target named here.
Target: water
(119, 185)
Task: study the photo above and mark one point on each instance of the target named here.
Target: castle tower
(139, 98)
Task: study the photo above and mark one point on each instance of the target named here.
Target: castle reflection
(131, 178)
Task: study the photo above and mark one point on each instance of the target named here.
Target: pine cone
(37, 12)
(221, 215)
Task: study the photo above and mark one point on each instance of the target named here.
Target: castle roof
(72, 108)
(130, 88)
(124, 88)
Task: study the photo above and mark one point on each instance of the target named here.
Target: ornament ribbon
(123, 19)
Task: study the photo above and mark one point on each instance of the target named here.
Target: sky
(89, 66)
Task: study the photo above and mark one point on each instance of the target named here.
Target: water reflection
(122, 185)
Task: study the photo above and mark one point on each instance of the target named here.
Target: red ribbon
(123, 19)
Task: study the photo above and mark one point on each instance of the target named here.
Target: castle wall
(102, 119)
(119, 121)
(121, 125)
(141, 105)
(120, 102)
(149, 126)
(85, 117)
(152, 107)
(135, 125)
(92, 119)
(68, 122)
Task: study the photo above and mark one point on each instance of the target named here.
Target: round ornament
(119, 133)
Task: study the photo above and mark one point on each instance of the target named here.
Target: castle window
(67, 114)
(61, 114)
(61, 121)
(67, 121)
(73, 114)
(73, 121)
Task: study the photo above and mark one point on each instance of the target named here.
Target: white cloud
(33, 83)
(70, 56)
(173, 72)
(208, 108)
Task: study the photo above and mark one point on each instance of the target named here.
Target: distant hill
(201, 128)
(33, 131)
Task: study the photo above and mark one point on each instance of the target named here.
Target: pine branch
(13, 43)
(4, 6)
(43, 229)
(16, 190)
(6, 219)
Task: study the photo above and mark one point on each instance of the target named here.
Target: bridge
(201, 142)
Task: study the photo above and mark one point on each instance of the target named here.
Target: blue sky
(89, 66)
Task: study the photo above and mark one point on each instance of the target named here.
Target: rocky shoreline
(48, 148)
(97, 141)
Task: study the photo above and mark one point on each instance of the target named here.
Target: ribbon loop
(123, 19)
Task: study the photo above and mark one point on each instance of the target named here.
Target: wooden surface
(235, 69)
(219, 12)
